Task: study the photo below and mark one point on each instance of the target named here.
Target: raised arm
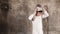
(45, 13)
(32, 15)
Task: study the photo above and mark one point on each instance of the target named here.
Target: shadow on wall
(4, 7)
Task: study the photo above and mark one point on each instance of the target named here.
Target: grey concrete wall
(53, 20)
(14, 16)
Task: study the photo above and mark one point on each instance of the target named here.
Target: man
(36, 18)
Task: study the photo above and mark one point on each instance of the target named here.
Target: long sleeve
(31, 16)
(45, 14)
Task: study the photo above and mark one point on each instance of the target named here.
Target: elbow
(47, 15)
(29, 18)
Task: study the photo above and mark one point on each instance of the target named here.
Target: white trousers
(37, 28)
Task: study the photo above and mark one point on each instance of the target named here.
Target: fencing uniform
(37, 27)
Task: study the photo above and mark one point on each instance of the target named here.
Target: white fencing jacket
(37, 27)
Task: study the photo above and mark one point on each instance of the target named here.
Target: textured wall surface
(14, 16)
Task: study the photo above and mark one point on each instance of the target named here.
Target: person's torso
(37, 19)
